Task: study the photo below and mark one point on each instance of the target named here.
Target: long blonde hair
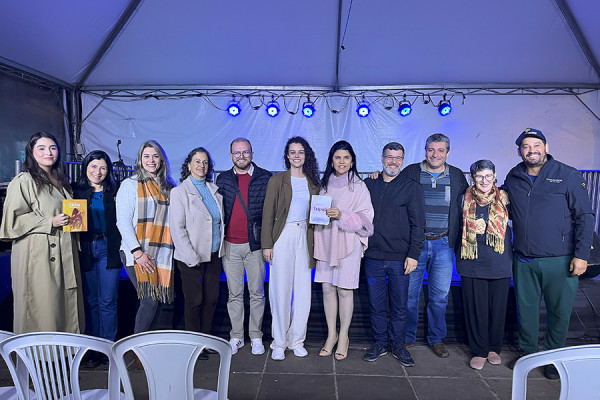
(163, 175)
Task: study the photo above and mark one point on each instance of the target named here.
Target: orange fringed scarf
(155, 239)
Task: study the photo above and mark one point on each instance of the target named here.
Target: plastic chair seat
(577, 366)
(169, 359)
(52, 361)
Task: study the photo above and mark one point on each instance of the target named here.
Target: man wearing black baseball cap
(552, 235)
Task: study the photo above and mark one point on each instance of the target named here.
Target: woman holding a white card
(287, 241)
(340, 245)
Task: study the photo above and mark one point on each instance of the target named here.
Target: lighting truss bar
(166, 93)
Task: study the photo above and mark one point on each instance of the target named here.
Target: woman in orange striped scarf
(485, 264)
(143, 220)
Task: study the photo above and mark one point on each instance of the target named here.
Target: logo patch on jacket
(551, 180)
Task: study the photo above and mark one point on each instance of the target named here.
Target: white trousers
(290, 287)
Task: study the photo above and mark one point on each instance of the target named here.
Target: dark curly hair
(311, 165)
(39, 176)
(185, 170)
(352, 172)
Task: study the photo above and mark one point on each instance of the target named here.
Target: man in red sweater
(243, 188)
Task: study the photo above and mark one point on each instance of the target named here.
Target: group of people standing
(404, 222)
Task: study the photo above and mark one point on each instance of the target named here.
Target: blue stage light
(405, 108)
(363, 109)
(273, 108)
(444, 108)
(234, 108)
(308, 109)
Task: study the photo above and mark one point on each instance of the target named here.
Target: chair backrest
(6, 335)
(577, 366)
(169, 358)
(52, 361)
(7, 392)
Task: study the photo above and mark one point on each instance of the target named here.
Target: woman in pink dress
(340, 245)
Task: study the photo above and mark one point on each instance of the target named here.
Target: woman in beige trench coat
(45, 274)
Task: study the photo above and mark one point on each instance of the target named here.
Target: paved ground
(314, 377)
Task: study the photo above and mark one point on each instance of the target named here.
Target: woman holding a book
(287, 242)
(99, 254)
(46, 280)
(146, 244)
(340, 245)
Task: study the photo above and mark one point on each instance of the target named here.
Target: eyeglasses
(397, 158)
(238, 154)
(488, 177)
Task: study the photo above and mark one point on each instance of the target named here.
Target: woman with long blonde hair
(146, 244)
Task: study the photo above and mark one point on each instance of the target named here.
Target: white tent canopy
(295, 48)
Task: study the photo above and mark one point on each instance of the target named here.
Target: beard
(530, 163)
(391, 173)
(243, 164)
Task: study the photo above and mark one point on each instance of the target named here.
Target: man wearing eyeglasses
(243, 188)
(552, 224)
(392, 253)
(443, 185)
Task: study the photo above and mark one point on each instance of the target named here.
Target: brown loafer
(440, 350)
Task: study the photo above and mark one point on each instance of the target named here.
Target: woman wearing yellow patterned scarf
(485, 264)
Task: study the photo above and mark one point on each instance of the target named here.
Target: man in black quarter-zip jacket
(393, 252)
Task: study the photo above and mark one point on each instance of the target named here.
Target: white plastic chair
(9, 392)
(169, 358)
(577, 366)
(52, 360)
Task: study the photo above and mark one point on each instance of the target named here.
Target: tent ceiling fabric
(275, 43)
(58, 38)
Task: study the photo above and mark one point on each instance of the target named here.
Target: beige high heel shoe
(341, 355)
(325, 352)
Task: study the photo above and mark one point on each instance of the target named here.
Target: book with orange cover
(76, 209)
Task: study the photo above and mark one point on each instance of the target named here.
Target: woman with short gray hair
(485, 264)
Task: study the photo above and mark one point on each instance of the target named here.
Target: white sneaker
(236, 344)
(278, 354)
(300, 352)
(257, 346)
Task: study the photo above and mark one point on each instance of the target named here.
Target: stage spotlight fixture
(273, 108)
(308, 108)
(363, 109)
(405, 108)
(234, 108)
(444, 108)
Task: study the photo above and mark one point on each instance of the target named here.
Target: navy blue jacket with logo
(553, 216)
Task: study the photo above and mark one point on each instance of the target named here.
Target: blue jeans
(438, 260)
(387, 278)
(100, 292)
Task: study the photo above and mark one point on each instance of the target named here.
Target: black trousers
(200, 286)
(484, 305)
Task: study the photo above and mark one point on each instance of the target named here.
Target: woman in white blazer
(197, 228)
